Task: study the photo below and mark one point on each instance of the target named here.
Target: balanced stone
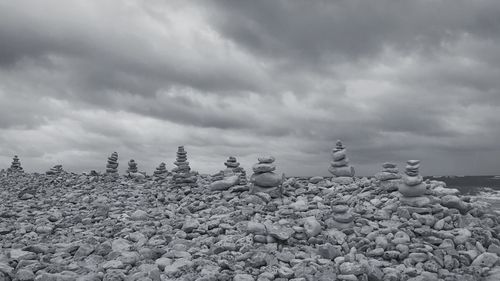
(112, 166)
(132, 166)
(340, 167)
(161, 171)
(232, 163)
(264, 179)
(56, 170)
(413, 187)
(182, 174)
(16, 165)
(389, 177)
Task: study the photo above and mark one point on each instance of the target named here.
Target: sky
(394, 80)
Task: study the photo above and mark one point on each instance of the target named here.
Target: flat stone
(263, 168)
(243, 277)
(486, 260)
(224, 184)
(266, 160)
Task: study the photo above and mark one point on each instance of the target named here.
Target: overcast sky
(395, 80)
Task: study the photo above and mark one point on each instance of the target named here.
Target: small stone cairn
(56, 170)
(132, 166)
(243, 178)
(389, 178)
(340, 168)
(182, 174)
(342, 217)
(161, 171)
(264, 179)
(112, 166)
(16, 165)
(413, 188)
(234, 165)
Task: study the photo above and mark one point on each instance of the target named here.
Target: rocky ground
(81, 227)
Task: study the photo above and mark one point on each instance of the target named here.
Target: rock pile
(182, 174)
(16, 165)
(87, 228)
(339, 167)
(56, 170)
(413, 188)
(132, 166)
(161, 171)
(264, 179)
(112, 166)
(389, 178)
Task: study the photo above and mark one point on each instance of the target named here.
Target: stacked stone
(342, 217)
(112, 166)
(16, 165)
(340, 167)
(389, 178)
(413, 188)
(264, 179)
(56, 170)
(243, 178)
(132, 166)
(183, 176)
(233, 164)
(161, 171)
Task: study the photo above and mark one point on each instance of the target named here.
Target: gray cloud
(394, 80)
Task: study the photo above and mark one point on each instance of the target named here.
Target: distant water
(486, 188)
(471, 185)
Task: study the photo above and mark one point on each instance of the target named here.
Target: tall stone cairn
(112, 166)
(243, 178)
(182, 174)
(16, 165)
(339, 167)
(132, 166)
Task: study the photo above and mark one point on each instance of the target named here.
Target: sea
(485, 188)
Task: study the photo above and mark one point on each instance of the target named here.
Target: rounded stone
(266, 179)
(266, 160)
(412, 191)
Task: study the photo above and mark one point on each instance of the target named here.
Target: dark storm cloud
(393, 79)
(311, 31)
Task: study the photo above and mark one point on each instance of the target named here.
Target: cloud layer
(394, 80)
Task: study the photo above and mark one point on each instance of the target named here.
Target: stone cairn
(340, 168)
(243, 178)
(16, 165)
(413, 188)
(112, 166)
(182, 174)
(389, 178)
(56, 170)
(132, 166)
(342, 217)
(264, 179)
(234, 165)
(161, 171)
